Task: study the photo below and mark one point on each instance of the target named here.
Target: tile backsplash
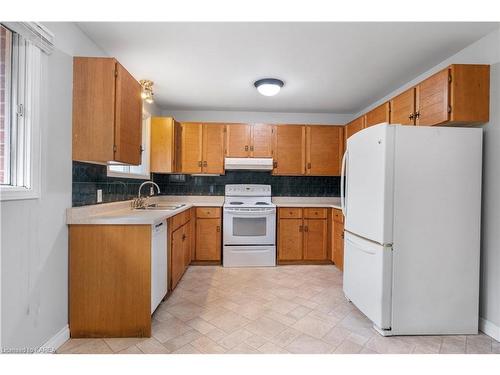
(87, 178)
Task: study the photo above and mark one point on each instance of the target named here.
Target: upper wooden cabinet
(324, 148)
(289, 150)
(107, 112)
(378, 115)
(403, 108)
(249, 140)
(164, 133)
(354, 126)
(201, 148)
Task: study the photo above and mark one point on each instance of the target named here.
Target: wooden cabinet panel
(208, 239)
(315, 240)
(354, 126)
(289, 150)
(338, 244)
(213, 148)
(378, 115)
(238, 140)
(290, 239)
(93, 108)
(315, 213)
(178, 254)
(163, 143)
(180, 219)
(187, 244)
(432, 99)
(191, 147)
(110, 280)
(470, 93)
(338, 216)
(208, 212)
(324, 148)
(262, 141)
(290, 212)
(403, 108)
(128, 118)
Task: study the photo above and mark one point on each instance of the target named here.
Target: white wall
(484, 51)
(253, 117)
(34, 236)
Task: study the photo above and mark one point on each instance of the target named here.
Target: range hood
(249, 164)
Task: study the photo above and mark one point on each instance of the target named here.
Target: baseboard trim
(56, 341)
(489, 328)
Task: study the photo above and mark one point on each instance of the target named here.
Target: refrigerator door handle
(342, 179)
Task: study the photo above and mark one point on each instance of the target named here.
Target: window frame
(145, 160)
(25, 134)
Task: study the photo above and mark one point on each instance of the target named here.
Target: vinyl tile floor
(285, 309)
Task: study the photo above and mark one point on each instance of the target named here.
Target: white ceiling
(327, 67)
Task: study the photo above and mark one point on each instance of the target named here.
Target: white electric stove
(249, 234)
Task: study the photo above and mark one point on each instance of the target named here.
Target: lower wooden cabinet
(180, 245)
(303, 235)
(208, 234)
(338, 238)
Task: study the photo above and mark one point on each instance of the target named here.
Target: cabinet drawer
(337, 216)
(315, 213)
(180, 219)
(207, 212)
(290, 213)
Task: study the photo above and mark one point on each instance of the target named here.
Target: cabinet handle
(417, 114)
(251, 148)
(183, 237)
(306, 229)
(275, 164)
(410, 117)
(200, 163)
(342, 235)
(308, 165)
(246, 148)
(205, 163)
(218, 228)
(301, 228)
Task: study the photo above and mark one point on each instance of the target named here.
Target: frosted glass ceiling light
(269, 86)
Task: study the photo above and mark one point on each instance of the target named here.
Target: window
(136, 171)
(20, 71)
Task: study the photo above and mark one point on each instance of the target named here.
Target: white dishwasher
(159, 267)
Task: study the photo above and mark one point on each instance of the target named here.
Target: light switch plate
(99, 195)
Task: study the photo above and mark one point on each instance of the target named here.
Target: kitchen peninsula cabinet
(107, 112)
(202, 148)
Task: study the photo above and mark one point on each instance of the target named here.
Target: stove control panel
(243, 190)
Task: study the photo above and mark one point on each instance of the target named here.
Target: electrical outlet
(99, 195)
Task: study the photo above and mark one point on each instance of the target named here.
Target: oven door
(249, 226)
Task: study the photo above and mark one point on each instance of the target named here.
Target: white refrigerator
(411, 197)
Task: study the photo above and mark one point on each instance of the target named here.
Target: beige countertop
(329, 202)
(121, 213)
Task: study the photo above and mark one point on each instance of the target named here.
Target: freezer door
(368, 278)
(369, 183)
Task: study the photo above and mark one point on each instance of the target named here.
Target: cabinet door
(324, 147)
(178, 257)
(432, 99)
(93, 108)
(403, 108)
(128, 118)
(191, 147)
(353, 127)
(188, 238)
(290, 238)
(338, 244)
(262, 141)
(316, 239)
(238, 140)
(213, 148)
(208, 239)
(162, 145)
(378, 115)
(289, 150)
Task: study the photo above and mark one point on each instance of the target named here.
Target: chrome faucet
(146, 183)
(140, 202)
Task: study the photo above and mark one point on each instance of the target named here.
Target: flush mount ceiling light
(269, 86)
(147, 90)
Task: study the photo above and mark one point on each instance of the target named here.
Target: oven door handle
(238, 213)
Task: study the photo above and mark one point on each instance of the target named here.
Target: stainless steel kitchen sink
(160, 206)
